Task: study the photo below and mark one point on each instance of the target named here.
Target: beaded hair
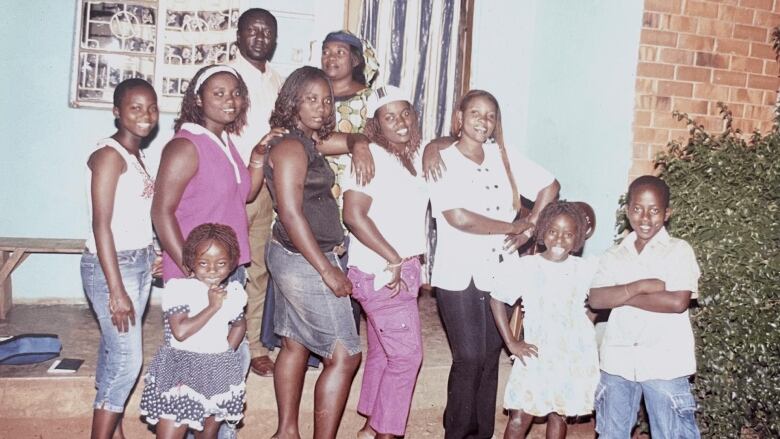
(220, 233)
(285, 114)
(653, 182)
(193, 113)
(553, 210)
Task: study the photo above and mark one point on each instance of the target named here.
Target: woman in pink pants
(387, 220)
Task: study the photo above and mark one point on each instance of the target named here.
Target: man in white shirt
(256, 38)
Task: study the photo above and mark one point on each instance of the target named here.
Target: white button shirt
(483, 189)
(641, 345)
(398, 204)
(263, 90)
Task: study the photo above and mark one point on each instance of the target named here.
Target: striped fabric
(416, 44)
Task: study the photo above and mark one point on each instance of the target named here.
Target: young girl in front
(195, 380)
(555, 370)
(116, 268)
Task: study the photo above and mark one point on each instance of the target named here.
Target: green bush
(725, 204)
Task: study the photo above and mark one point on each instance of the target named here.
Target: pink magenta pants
(394, 348)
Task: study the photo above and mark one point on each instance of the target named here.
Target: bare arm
(236, 334)
(356, 206)
(107, 165)
(356, 145)
(289, 164)
(518, 348)
(433, 166)
(178, 165)
(255, 168)
(619, 295)
(544, 197)
(470, 222)
(672, 302)
(183, 326)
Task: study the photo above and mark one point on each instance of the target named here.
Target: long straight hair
(498, 135)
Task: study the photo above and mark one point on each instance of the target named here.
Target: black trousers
(476, 346)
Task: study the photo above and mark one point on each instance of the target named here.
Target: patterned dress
(351, 115)
(563, 378)
(190, 380)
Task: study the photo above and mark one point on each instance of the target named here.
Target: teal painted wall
(563, 73)
(45, 143)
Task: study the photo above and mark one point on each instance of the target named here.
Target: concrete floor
(36, 404)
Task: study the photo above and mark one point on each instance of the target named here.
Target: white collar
(660, 238)
(224, 143)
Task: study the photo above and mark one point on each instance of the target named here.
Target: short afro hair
(653, 182)
(125, 86)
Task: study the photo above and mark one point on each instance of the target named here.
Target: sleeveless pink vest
(213, 195)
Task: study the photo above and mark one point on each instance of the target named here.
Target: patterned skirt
(187, 387)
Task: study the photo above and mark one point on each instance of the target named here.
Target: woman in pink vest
(202, 178)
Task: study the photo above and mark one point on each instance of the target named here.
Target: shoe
(263, 366)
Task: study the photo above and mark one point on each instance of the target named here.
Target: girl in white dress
(195, 380)
(556, 369)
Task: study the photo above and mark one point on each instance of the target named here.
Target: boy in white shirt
(647, 281)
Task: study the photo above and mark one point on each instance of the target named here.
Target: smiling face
(316, 105)
(560, 238)
(137, 113)
(221, 100)
(337, 60)
(212, 262)
(478, 119)
(395, 121)
(647, 212)
(257, 37)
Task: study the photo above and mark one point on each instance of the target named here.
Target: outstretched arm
(433, 166)
(356, 145)
(471, 222)
(544, 197)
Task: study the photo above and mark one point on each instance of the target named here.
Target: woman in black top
(313, 312)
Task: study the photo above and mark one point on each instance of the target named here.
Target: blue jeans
(670, 407)
(120, 355)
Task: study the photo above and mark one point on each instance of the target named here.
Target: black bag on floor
(29, 349)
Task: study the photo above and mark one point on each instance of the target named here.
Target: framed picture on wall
(166, 42)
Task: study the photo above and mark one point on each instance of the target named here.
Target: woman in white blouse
(475, 203)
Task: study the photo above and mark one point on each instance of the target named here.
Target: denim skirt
(307, 311)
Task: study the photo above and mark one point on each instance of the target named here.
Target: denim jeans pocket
(684, 406)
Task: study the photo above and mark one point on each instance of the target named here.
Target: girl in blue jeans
(116, 268)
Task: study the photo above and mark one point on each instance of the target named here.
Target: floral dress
(564, 376)
(351, 116)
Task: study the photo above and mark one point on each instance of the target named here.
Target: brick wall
(694, 53)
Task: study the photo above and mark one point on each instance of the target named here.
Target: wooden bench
(13, 251)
